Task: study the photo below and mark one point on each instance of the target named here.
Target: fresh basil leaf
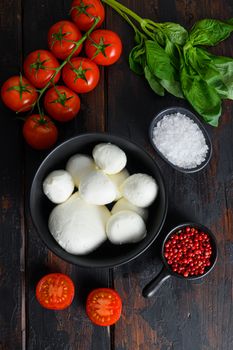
(160, 37)
(153, 82)
(173, 53)
(200, 95)
(175, 32)
(137, 58)
(222, 72)
(173, 87)
(224, 65)
(210, 32)
(159, 61)
(201, 62)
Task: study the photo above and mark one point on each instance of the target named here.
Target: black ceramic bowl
(192, 116)
(151, 288)
(107, 255)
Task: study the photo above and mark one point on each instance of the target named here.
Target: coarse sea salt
(180, 140)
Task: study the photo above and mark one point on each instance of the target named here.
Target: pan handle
(151, 288)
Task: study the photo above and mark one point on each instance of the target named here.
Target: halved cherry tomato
(40, 132)
(18, 94)
(55, 291)
(103, 306)
(39, 68)
(61, 103)
(81, 74)
(84, 12)
(61, 38)
(104, 47)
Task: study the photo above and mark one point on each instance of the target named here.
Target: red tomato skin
(11, 98)
(57, 110)
(41, 77)
(80, 85)
(90, 310)
(62, 49)
(54, 277)
(37, 135)
(113, 51)
(84, 22)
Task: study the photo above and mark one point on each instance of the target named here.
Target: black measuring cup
(151, 288)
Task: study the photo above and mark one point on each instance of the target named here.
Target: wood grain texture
(69, 329)
(182, 315)
(11, 189)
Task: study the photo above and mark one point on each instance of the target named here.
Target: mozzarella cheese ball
(125, 227)
(58, 186)
(118, 180)
(96, 188)
(140, 190)
(77, 226)
(78, 166)
(123, 204)
(109, 158)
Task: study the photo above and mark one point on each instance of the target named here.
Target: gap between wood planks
(22, 203)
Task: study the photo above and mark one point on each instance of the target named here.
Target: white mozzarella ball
(125, 227)
(77, 226)
(123, 204)
(58, 186)
(96, 188)
(109, 158)
(140, 190)
(78, 166)
(118, 180)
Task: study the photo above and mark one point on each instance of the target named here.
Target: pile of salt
(180, 140)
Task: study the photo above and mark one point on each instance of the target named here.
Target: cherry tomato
(61, 103)
(39, 68)
(55, 291)
(103, 306)
(18, 94)
(81, 74)
(61, 38)
(103, 47)
(84, 12)
(40, 132)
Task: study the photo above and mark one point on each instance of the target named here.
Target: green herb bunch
(175, 60)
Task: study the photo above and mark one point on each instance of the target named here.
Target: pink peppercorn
(188, 252)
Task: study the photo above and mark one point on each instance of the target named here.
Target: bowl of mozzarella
(98, 200)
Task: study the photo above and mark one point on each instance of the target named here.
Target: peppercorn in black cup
(188, 251)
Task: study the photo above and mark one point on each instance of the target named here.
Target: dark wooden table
(182, 315)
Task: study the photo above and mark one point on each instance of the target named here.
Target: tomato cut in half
(61, 103)
(39, 67)
(81, 74)
(62, 37)
(103, 306)
(84, 12)
(55, 291)
(18, 94)
(40, 132)
(104, 47)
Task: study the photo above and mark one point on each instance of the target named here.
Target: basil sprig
(177, 61)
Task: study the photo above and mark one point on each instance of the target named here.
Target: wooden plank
(182, 315)
(11, 189)
(68, 329)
